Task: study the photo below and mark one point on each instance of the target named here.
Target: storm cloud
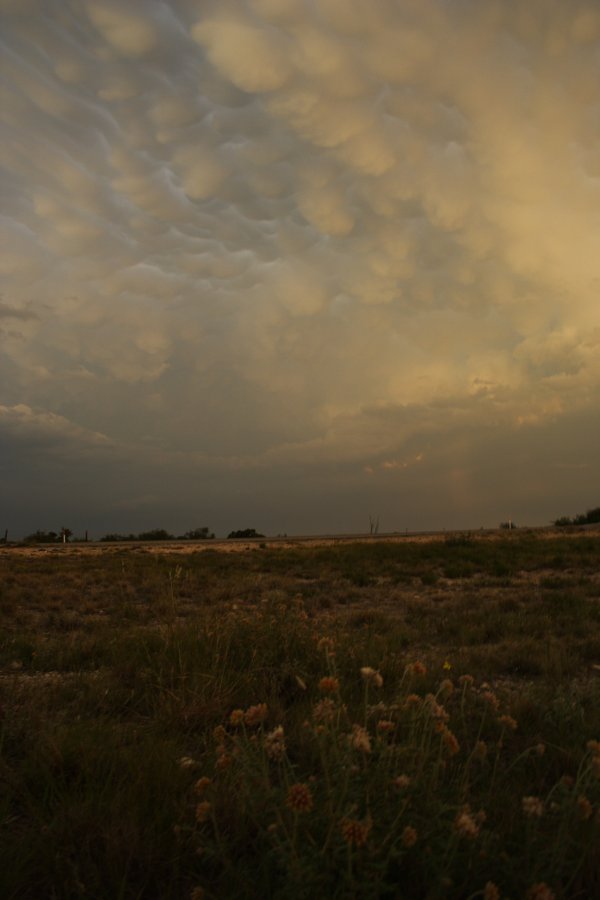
(287, 264)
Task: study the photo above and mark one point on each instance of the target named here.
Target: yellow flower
(532, 807)
(355, 832)
(371, 676)
(447, 666)
(299, 798)
(409, 836)
(254, 715)
(329, 685)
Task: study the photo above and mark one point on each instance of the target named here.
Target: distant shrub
(591, 517)
(198, 534)
(115, 538)
(42, 537)
(245, 533)
(156, 534)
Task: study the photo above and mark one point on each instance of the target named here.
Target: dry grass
(117, 664)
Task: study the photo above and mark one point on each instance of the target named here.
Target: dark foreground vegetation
(407, 720)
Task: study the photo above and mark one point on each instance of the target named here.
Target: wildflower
(594, 746)
(223, 760)
(299, 798)
(540, 891)
(275, 744)
(219, 734)
(385, 725)
(371, 676)
(236, 717)
(437, 711)
(466, 680)
(203, 811)
(446, 686)
(491, 699)
(596, 766)
(416, 668)
(329, 685)
(202, 784)
(409, 837)
(508, 722)
(450, 742)
(254, 715)
(446, 666)
(491, 892)
(327, 644)
(359, 739)
(466, 825)
(324, 710)
(585, 807)
(356, 832)
(186, 762)
(480, 750)
(412, 700)
(532, 807)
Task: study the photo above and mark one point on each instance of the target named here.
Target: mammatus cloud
(259, 235)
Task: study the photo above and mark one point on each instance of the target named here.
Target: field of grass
(407, 720)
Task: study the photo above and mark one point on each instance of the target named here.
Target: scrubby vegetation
(591, 517)
(357, 720)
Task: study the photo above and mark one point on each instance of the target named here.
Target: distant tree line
(590, 517)
(156, 534)
(159, 534)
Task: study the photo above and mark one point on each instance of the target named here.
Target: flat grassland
(407, 719)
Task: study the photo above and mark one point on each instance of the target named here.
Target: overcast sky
(288, 264)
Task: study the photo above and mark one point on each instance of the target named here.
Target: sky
(299, 265)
